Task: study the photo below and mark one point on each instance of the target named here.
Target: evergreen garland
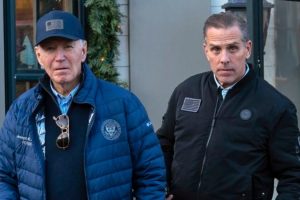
(104, 20)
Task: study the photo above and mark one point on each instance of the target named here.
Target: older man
(74, 136)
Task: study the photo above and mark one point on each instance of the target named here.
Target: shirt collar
(64, 102)
(57, 95)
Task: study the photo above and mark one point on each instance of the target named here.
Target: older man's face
(61, 58)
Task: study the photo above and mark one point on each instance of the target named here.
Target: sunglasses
(63, 140)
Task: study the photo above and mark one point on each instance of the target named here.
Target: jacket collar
(86, 93)
(88, 88)
(245, 82)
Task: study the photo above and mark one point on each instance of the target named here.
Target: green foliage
(104, 20)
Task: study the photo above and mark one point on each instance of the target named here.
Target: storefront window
(22, 86)
(48, 5)
(282, 50)
(25, 19)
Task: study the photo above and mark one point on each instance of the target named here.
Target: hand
(170, 197)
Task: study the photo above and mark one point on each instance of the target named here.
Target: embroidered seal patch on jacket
(111, 129)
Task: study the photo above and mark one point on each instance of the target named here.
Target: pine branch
(104, 20)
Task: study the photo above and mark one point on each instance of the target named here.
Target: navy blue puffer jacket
(131, 165)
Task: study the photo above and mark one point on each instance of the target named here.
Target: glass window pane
(22, 86)
(47, 5)
(282, 50)
(25, 16)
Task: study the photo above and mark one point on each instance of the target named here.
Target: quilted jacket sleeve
(8, 180)
(285, 155)
(166, 135)
(148, 162)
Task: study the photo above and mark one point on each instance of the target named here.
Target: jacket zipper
(39, 98)
(90, 124)
(216, 111)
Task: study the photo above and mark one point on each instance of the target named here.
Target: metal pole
(255, 26)
(10, 46)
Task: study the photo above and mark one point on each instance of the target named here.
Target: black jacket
(235, 152)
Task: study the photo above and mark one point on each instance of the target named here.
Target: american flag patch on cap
(191, 104)
(54, 24)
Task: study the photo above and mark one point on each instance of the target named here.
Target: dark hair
(226, 20)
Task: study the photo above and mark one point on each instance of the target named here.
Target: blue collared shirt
(64, 102)
(225, 90)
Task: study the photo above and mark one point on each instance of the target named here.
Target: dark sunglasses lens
(63, 141)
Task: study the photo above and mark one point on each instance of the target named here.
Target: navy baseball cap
(58, 23)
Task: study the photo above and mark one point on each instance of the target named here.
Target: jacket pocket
(246, 190)
(263, 187)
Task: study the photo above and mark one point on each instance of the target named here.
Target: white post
(122, 63)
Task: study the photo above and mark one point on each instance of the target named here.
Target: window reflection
(25, 34)
(48, 5)
(22, 86)
(282, 50)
